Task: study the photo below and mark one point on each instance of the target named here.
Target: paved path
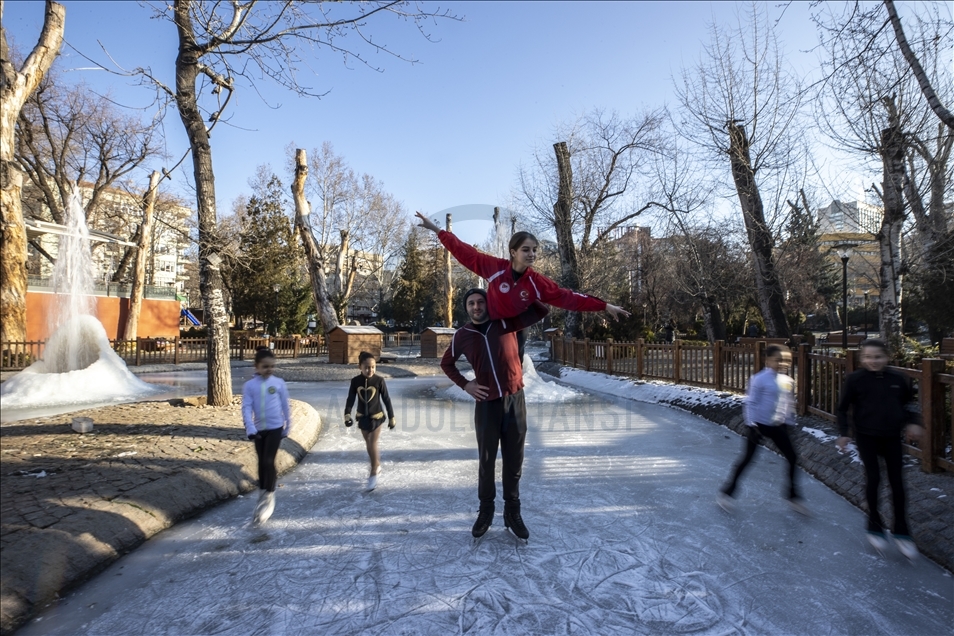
(625, 538)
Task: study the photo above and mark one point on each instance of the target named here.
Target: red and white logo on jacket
(504, 287)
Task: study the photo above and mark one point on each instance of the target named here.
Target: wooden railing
(819, 377)
(141, 351)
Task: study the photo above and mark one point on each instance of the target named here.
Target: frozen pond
(625, 538)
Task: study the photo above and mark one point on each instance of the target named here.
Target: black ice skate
(484, 519)
(514, 522)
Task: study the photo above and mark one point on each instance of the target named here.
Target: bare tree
(873, 108)
(740, 102)
(17, 83)
(222, 44)
(590, 188)
(67, 135)
(131, 331)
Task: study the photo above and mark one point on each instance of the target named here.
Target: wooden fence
(819, 377)
(19, 355)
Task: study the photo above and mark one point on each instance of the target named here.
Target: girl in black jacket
(371, 392)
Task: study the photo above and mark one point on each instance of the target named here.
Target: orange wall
(157, 318)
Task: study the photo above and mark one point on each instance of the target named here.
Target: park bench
(833, 339)
(748, 341)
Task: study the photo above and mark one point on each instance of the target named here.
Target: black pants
(266, 447)
(779, 435)
(500, 423)
(869, 448)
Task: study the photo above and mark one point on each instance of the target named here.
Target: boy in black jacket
(882, 402)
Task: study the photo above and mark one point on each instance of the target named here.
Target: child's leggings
(779, 435)
(266, 446)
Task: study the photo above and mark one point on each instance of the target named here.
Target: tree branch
(942, 113)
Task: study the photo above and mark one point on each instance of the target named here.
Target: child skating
(370, 391)
(768, 410)
(882, 403)
(267, 417)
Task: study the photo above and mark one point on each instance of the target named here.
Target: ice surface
(625, 538)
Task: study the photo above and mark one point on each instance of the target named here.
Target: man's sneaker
(906, 546)
(726, 502)
(877, 541)
(799, 506)
(484, 519)
(265, 508)
(514, 521)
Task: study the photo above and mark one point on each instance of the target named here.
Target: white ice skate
(265, 508)
(726, 502)
(878, 542)
(906, 547)
(373, 481)
(799, 506)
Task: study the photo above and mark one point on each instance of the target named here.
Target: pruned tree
(17, 83)
(590, 188)
(739, 104)
(222, 45)
(356, 224)
(131, 331)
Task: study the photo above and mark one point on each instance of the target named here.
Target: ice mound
(536, 390)
(98, 375)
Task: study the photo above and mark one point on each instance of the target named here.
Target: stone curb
(42, 562)
(926, 513)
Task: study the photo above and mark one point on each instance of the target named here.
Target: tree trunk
(210, 275)
(316, 263)
(563, 225)
(15, 87)
(712, 318)
(927, 90)
(767, 285)
(448, 283)
(834, 321)
(889, 237)
(139, 269)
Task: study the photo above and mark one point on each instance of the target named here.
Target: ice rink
(625, 538)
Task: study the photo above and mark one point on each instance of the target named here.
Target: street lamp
(844, 253)
(644, 314)
(867, 291)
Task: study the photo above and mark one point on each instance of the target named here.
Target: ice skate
(265, 508)
(373, 480)
(799, 506)
(906, 546)
(878, 542)
(514, 522)
(726, 502)
(484, 519)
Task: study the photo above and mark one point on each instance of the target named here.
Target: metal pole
(866, 315)
(844, 303)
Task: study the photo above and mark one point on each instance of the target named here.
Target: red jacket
(493, 355)
(507, 298)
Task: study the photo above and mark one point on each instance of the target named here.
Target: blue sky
(449, 130)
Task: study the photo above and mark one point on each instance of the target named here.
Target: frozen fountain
(78, 367)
